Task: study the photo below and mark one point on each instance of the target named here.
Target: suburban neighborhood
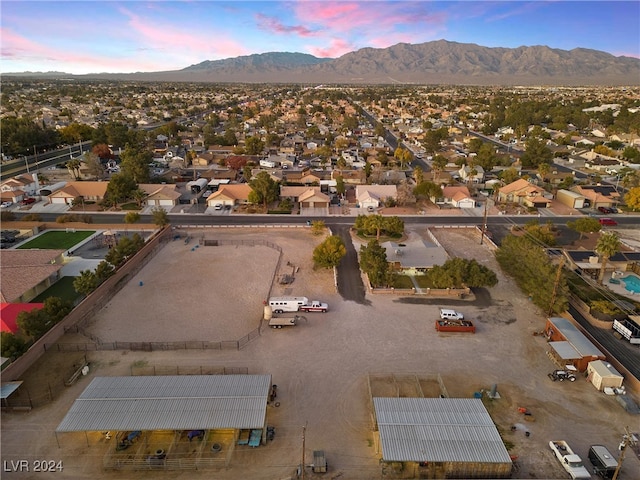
(442, 259)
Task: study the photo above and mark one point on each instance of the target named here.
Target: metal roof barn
(177, 402)
(438, 430)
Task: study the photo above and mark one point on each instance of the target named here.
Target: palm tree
(73, 166)
(608, 245)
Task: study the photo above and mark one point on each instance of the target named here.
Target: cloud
(165, 36)
(336, 48)
(20, 50)
(369, 24)
(273, 25)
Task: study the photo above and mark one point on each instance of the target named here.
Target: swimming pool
(631, 283)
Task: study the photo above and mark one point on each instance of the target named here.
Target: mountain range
(437, 62)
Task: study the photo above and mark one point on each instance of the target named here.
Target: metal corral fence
(154, 370)
(97, 345)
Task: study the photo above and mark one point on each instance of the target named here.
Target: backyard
(58, 240)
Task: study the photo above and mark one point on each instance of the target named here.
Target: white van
(447, 314)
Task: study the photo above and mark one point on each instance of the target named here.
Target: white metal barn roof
(581, 343)
(177, 402)
(438, 430)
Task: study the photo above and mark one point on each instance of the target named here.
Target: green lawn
(63, 289)
(58, 240)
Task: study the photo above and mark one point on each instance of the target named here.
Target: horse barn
(171, 422)
(569, 346)
(440, 438)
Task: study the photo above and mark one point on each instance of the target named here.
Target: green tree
(11, 345)
(135, 163)
(73, 166)
(541, 234)
(428, 190)
(318, 227)
(340, 187)
(264, 189)
(125, 248)
(608, 245)
(253, 145)
(373, 262)
(529, 265)
(131, 217)
(403, 156)
(34, 323)
(121, 187)
(632, 154)
(57, 308)
(329, 253)
(632, 198)
(85, 283)
(104, 270)
(437, 165)
(536, 152)
(509, 175)
(584, 225)
(160, 216)
(418, 175)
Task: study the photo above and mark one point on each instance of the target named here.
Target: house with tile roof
(522, 192)
(18, 188)
(457, 196)
(166, 196)
(230, 194)
(93, 191)
(375, 195)
(27, 273)
(598, 195)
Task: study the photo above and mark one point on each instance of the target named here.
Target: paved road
(621, 350)
(350, 285)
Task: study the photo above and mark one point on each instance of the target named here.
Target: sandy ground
(323, 368)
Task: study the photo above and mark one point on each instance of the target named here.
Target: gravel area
(323, 367)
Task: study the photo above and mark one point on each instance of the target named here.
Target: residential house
(414, 255)
(598, 195)
(230, 194)
(589, 262)
(305, 177)
(350, 177)
(27, 273)
(203, 159)
(466, 175)
(88, 191)
(305, 197)
(457, 196)
(20, 187)
(375, 195)
(166, 196)
(522, 192)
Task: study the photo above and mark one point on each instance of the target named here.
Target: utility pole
(627, 440)
(484, 221)
(556, 284)
(304, 427)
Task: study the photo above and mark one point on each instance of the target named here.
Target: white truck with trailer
(296, 304)
(571, 462)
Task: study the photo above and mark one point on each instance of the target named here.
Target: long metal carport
(176, 403)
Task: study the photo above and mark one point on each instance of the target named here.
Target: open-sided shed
(450, 437)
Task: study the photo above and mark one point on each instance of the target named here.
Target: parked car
(28, 201)
(218, 206)
(608, 221)
(6, 204)
(604, 210)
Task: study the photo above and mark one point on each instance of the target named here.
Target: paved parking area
(322, 366)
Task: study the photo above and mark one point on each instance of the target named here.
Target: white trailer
(287, 304)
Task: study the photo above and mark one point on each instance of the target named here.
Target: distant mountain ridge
(438, 62)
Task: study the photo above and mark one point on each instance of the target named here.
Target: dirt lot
(325, 367)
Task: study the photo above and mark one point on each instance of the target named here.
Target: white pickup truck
(571, 462)
(314, 306)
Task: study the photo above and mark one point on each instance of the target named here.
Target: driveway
(350, 285)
